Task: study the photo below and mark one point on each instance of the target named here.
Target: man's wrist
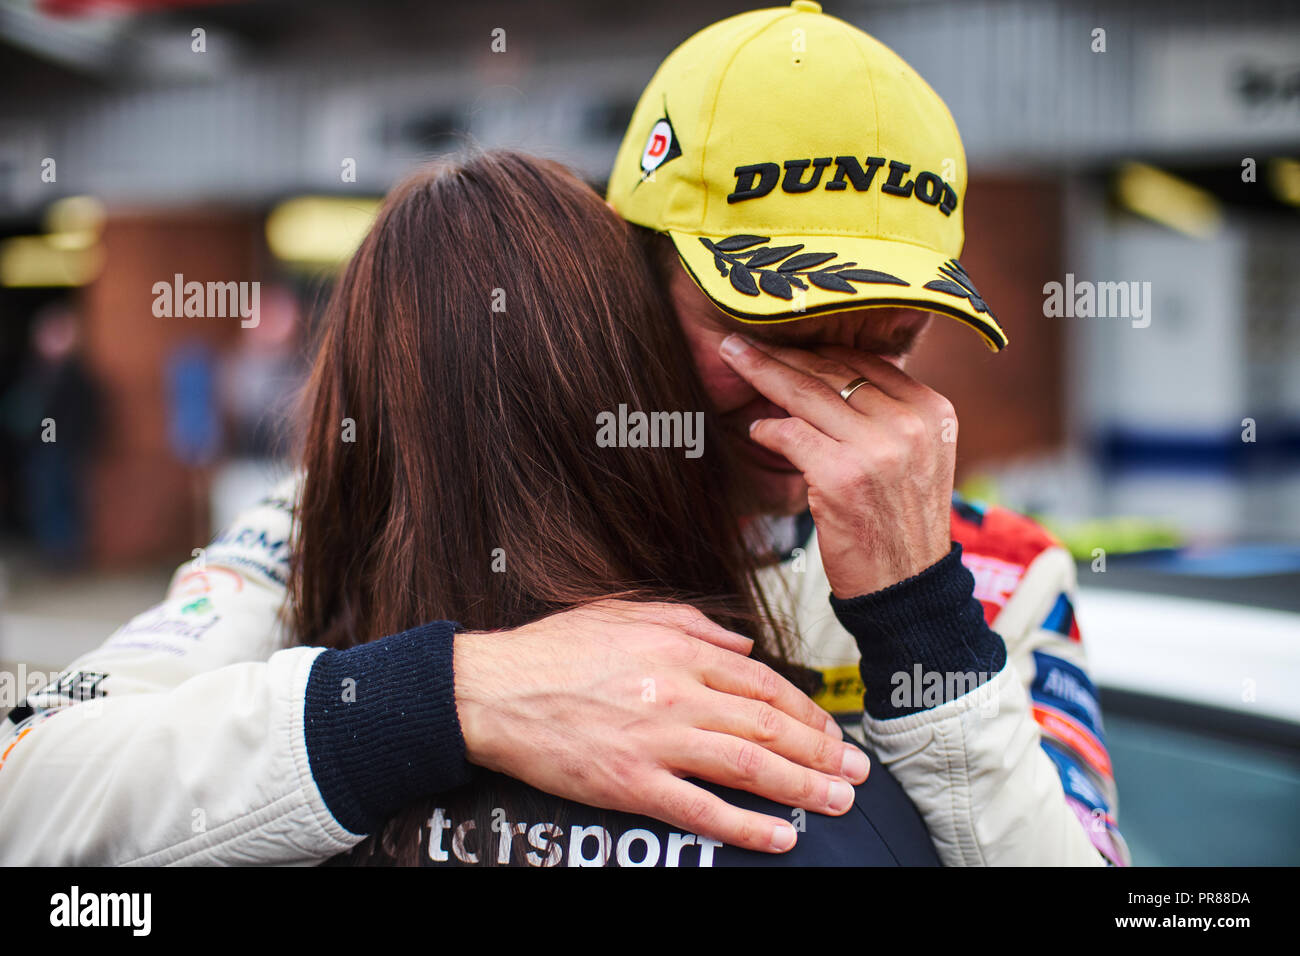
(928, 626)
(474, 656)
(881, 579)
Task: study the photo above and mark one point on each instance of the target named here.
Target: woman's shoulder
(882, 829)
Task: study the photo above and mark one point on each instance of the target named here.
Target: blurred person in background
(53, 414)
(834, 261)
(259, 380)
(193, 418)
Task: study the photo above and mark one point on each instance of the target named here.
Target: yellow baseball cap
(801, 167)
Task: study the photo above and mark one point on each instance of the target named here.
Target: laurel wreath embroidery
(748, 263)
(960, 286)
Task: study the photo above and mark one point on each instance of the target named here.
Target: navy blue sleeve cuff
(381, 725)
(923, 640)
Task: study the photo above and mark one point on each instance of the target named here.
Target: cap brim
(763, 279)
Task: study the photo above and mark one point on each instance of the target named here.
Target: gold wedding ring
(852, 387)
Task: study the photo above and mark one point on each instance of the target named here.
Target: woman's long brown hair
(495, 308)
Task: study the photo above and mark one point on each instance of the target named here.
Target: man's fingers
(742, 677)
(695, 810)
(898, 385)
(717, 635)
(744, 765)
(783, 735)
(793, 389)
(794, 439)
(885, 376)
(821, 363)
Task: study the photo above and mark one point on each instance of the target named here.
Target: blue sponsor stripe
(1075, 779)
(1062, 686)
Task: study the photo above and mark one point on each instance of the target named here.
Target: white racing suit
(181, 739)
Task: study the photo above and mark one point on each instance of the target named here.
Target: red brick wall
(146, 505)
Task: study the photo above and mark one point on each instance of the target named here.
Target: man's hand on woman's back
(615, 703)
